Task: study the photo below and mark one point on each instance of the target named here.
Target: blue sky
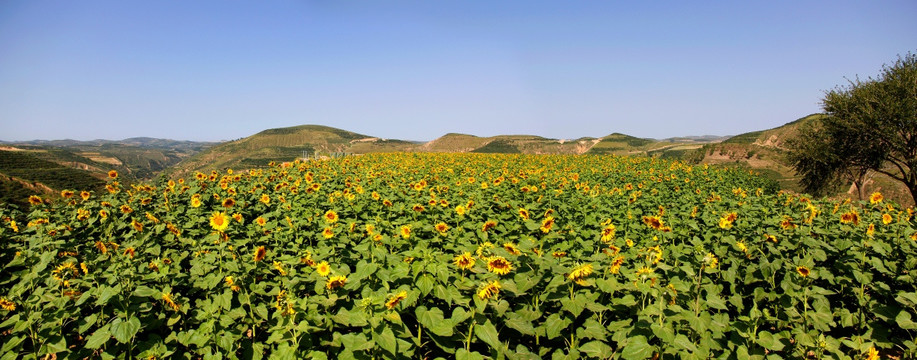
(415, 70)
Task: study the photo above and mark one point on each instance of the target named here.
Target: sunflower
(323, 268)
(196, 201)
(418, 208)
(130, 252)
(328, 233)
(489, 290)
(460, 210)
(265, 199)
(85, 195)
(616, 265)
(653, 221)
(7, 305)
(464, 261)
(279, 267)
(219, 221)
(886, 219)
(167, 298)
(644, 271)
(803, 271)
(35, 200)
(405, 231)
(237, 217)
(260, 252)
(229, 202)
(511, 248)
(608, 233)
(387, 202)
(66, 194)
(559, 254)
(441, 228)
(260, 221)
(850, 217)
(871, 230)
(101, 246)
(547, 224)
(787, 223)
(103, 214)
(489, 224)
(137, 225)
(523, 213)
(770, 238)
(872, 354)
(727, 220)
(331, 216)
(394, 299)
(336, 282)
(741, 245)
(112, 174)
(579, 274)
(499, 265)
(876, 198)
(711, 260)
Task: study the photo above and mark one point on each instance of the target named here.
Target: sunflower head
(803, 271)
(464, 261)
(394, 299)
(499, 265)
(336, 282)
(260, 252)
(219, 221)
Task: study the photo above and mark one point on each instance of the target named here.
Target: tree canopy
(870, 125)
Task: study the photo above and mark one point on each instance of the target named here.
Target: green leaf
(716, 302)
(637, 348)
(554, 325)
(425, 284)
(145, 291)
(574, 306)
(596, 349)
(356, 342)
(433, 320)
(463, 354)
(770, 341)
(105, 294)
(488, 334)
(98, 338)
(386, 340)
(904, 320)
(515, 321)
(683, 342)
(124, 331)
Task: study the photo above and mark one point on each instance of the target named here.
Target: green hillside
(286, 144)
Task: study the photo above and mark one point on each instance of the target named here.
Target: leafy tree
(870, 125)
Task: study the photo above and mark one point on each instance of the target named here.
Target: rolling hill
(762, 151)
(291, 143)
(47, 167)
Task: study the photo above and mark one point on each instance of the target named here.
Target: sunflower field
(466, 256)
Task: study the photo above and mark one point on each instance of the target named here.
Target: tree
(869, 125)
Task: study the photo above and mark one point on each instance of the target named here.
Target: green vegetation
(871, 126)
(619, 143)
(31, 169)
(498, 147)
(460, 256)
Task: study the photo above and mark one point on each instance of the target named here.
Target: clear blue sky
(415, 70)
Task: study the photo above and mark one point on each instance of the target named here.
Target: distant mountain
(48, 166)
(291, 143)
(762, 151)
(286, 144)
